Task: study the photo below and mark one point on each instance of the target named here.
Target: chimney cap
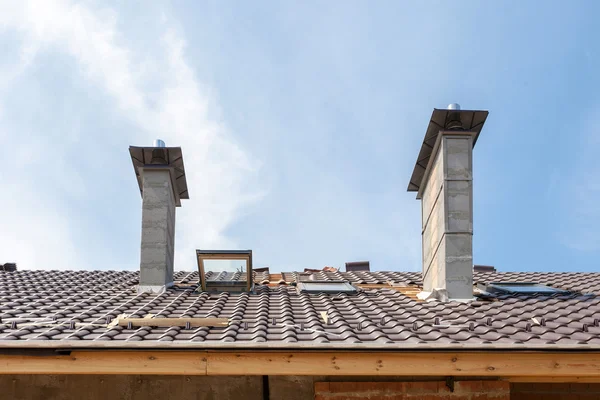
(159, 143)
(472, 121)
(142, 158)
(453, 106)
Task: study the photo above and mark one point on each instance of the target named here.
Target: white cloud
(157, 90)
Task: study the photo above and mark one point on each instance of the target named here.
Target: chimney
(443, 180)
(357, 266)
(8, 267)
(161, 178)
(484, 268)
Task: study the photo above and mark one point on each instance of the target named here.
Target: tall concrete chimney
(443, 180)
(161, 178)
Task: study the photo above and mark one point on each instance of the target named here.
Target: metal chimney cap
(159, 143)
(471, 120)
(454, 106)
(142, 157)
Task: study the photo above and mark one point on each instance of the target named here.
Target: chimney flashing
(153, 288)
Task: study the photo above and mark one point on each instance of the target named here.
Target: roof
(73, 309)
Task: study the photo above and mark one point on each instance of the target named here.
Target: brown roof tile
(74, 308)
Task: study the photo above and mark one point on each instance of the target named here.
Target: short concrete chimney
(161, 178)
(443, 180)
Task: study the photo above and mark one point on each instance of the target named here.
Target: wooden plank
(373, 286)
(275, 277)
(187, 285)
(167, 322)
(407, 364)
(514, 367)
(107, 362)
(410, 289)
(552, 379)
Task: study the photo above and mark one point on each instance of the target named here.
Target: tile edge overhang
(322, 347)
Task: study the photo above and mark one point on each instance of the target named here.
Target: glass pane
(221, 265)
(528, 288)
(327, 287)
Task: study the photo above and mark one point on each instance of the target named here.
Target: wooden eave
(525, 366)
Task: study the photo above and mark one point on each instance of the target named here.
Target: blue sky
(300, 123)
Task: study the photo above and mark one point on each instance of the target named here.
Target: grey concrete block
(459, 206)
(457, 155)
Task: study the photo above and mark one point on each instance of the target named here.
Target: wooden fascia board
(404, 363)
(107, 362)
(551, 379)
(517, 366)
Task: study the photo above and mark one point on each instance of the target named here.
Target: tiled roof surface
(73, 309)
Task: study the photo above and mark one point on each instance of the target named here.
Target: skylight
(522, 288)
(225, 270)
(325, 287)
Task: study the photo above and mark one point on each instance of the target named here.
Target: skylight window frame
(303, 287)
(508, 288)
(225, 286)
